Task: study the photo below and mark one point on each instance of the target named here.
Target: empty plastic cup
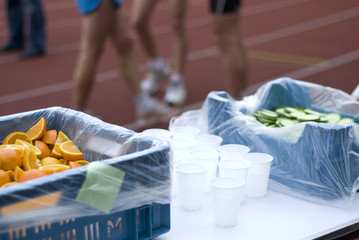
(191, 181)
(227, 193)
(232, 151)
(182, 146)
(207, 141)
(159, 132)
(234, 169)
(258, 174)
(184, 132)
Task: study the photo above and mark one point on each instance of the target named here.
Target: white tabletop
(277, 216)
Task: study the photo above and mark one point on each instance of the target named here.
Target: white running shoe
(176, 93)
(156, 74)
(149, 106)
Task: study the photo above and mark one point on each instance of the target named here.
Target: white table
(277, 216)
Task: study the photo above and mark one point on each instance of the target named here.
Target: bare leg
(179, 12)
(226, 29)
(95, 28)
(123, 44)
(142, 12)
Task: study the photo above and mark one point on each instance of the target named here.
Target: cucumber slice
(331, 118)
(309, 118)
(310, 111)
(283, 122)
(269, 114)
(345, 121)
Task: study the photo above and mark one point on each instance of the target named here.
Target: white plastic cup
(159, 132)
(234, 169)
(182, 147)
(232, 151)
(191, 181)
(208, 158)
(184, 132)
(210, 141)
(227, 193)
(177, 160)
(258, 174)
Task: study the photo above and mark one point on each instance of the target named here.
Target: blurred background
(310, 40)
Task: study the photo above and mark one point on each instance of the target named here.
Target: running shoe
(175, 93)
(156, 75)
(151, 107)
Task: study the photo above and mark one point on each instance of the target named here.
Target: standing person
(104, 19)
(226, 25)
(16, 14)
(158, 69)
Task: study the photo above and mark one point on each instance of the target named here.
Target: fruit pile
(285, 116)
(36, 153)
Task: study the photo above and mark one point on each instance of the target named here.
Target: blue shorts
(220, 7)
(87, 6)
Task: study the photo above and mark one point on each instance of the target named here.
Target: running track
(310, 40)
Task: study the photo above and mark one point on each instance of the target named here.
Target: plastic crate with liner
(124, 193)
(314, 161)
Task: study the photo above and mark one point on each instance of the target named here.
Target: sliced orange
(61, 138)
(45, 151)
(83, 162)
(50, 161)
(17, 173)
(11, 138)
(18, 148)
(9, 184)
(70, 151)
(9, 159)
(11, 174)
(37, 130)
(50, 137)
(31, 174)
(54, 168)
(4, 177)
(30, 160)
(28, 145)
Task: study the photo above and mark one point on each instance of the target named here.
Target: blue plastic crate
(137, 170)
(140, 223)
(323, 163)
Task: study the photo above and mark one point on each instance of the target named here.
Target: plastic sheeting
(314, 161)
(126, 170)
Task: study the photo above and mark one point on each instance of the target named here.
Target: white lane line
(194, 55)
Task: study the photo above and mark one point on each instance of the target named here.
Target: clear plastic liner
(318, 162)
(126, 170)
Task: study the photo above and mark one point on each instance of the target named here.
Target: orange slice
(45, 151)
(28, 145)
(83, 162)
(61, 138)
(50, 137)
(9, 184)
(11, 138)
(54, 168)
(37, 130)
(30, 160)
(50, 161)
(70, 151)
(18, 148)
(11, 175)
(9, 159)
(31, 174)
(4, 177)
(17, 173)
